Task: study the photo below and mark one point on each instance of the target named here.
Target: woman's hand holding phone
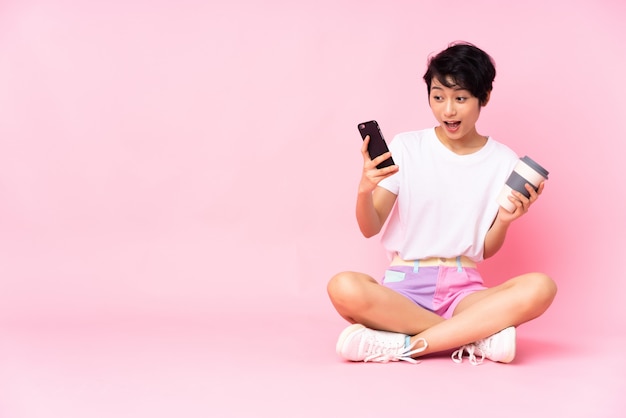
(372, 175)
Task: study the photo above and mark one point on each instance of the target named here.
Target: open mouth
(452, 125)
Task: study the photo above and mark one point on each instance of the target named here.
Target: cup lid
(535, 166)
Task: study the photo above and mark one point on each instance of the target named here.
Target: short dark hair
(464, 65)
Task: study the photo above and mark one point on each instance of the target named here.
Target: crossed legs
(361, 299)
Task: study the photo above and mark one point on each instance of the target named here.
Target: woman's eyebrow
(455, 87)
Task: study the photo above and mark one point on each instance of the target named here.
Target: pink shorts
(438, 289)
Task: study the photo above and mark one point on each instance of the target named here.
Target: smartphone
(377, 145)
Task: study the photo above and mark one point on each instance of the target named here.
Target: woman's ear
(484, 103)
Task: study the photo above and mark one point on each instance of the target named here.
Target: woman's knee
(340, 285)
(547, 286)
(542, 289)
(345, 287)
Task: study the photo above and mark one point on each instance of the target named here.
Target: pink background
(198, 161)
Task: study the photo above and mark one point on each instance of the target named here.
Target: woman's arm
(497, 233)
(373, 203)
(372, 210)
(495, 236)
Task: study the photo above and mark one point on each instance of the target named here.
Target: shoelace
(384, 354)
(457, 356)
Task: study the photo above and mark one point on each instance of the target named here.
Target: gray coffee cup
(525, 171)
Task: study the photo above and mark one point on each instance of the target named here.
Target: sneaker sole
(345, 335)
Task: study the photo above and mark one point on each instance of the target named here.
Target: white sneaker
(499, 347)
(358, 343)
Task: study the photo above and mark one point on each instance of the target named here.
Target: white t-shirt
(446, 202)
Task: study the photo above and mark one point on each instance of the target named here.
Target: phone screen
(377, 145)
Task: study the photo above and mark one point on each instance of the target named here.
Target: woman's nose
(450, 108)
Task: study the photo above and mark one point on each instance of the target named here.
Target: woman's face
(456, 110)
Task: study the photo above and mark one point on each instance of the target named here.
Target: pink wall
(180, 157)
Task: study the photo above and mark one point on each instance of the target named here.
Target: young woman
(440, 199)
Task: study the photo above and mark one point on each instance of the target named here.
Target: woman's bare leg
(489, 311)
(361, 299)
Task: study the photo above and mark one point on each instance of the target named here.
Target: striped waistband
(459, 262)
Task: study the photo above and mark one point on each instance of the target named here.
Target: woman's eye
(461, 99)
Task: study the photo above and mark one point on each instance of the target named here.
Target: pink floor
(284, 365)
